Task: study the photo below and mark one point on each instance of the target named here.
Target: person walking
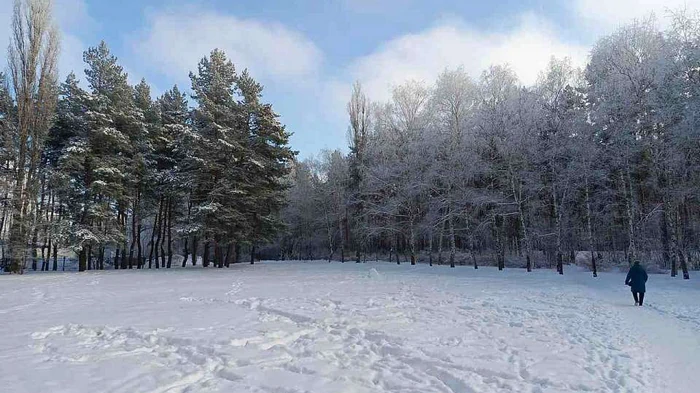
(637, 279)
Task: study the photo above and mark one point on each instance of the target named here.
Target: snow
(317, 327)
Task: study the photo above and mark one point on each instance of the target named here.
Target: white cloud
(176, 40)
(609, 14)
(72, 13)
(71, 57)
(527, 48)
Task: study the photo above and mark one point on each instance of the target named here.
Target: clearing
(316, 327)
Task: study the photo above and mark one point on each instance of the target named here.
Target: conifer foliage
(125, 181)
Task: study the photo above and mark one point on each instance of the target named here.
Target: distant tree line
(604, 160)
(112, 174)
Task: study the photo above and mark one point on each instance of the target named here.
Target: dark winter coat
(637, 278)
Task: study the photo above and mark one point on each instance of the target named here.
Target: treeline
(604, 160)
(112, 174)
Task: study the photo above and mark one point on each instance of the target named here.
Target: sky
(307, 53)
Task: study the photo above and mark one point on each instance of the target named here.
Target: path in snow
(319, 327)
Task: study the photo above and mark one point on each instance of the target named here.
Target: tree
(560, 106)
(456, 165)
(622, 74)
(32, 56)
(242, 157)
(173, 154)
(96, 164)
(359, 110)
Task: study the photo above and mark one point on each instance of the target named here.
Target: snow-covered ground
(319, 327)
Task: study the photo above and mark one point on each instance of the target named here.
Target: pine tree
(219, 153)
(269, 162)
(97, 162)
(175, 161)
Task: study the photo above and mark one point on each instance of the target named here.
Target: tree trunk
(430, 248)
(163, 230)
(47, 233)
(34, 242)
(187, 251)
(125, 225)
(155, 249)
(116, 259)
(252, 254)
(44, 259)
(151, 244)
(398, 261)
(557, 224)
(229, 253)
(101, 259)
(82, 260)
(238, 253)
(17, 241)
(684, 264)
(134, 216)
(218, 254)
(440, 241)
(170, 232)
(500, 247)
(517, 194)
(680, 230)
(674, 267)
(590, 230)
(139, 250)
(453, 243)
(89, 258)
(194, 250)
(412, 244)
(632, 249)
(55, 257)
(557, 213)
(205, 255)
(342, 241)
(665, 239)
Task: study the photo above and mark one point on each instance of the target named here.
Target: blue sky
(307, 53)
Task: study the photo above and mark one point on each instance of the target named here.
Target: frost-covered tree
(360, 113)
(602, 161)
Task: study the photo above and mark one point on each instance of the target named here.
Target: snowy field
(319, 327)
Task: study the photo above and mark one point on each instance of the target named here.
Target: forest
(467, 233)
(121, 180)
(596, 165)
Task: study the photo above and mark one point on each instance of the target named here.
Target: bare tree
(33, 56)
(360, 113)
